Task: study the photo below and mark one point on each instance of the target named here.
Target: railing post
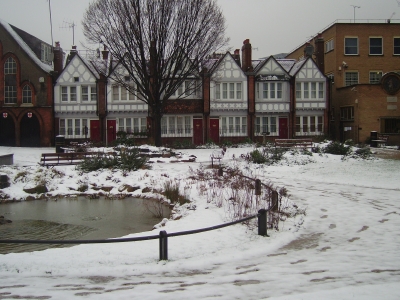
(163, 245)
(275, 202)
(258, 187)
(262, 222)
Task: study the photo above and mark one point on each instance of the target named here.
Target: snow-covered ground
(345, 247)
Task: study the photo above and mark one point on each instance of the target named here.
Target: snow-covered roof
(287, 64)
(25, 47)
(296, 67)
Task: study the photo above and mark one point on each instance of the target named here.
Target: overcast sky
(273, 26)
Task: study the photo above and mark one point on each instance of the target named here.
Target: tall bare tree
(159, 44)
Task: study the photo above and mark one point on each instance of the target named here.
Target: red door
(214, 130)
(95, 131)
(111, 131)
(283, 128)
(197, 131)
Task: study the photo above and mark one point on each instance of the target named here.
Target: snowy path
(346, 248)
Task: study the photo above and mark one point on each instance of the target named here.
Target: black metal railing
(162, 236)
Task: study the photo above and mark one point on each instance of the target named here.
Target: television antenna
(70, 25)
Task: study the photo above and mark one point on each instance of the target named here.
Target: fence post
(163, 245)
(258, 187)
(275, 203)
(262, 222)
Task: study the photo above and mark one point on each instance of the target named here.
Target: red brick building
(26, 89)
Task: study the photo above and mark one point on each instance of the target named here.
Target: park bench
(293, 143)
(69, 158)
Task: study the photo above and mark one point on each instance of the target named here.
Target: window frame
(176, 126)
(74, 128)
(10, 68)
(374, 47)
(27, 94)
(266, 124)
(124, 95)
(349, 47)
(396, 48)
(134, 126)
(349, 82)
(329, 45)
(270, 90)
(225, 90)
(377, 79)
(347, 113)
(309, 125)
(233, 126)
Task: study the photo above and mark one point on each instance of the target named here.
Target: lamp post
(354, 11)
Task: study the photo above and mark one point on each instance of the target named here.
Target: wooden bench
(69, 158)
(293, 143)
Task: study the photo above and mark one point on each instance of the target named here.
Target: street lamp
(354, 11)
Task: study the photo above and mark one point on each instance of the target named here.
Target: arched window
(26, 94)
(10, 81)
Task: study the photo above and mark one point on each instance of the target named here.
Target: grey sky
(273, 26)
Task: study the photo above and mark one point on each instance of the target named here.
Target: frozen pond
(75, 219)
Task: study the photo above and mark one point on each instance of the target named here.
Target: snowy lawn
(345, 247)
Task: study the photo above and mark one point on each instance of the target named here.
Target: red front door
(111, 131)
(214, 130)
(197, 131)
(95, 131)
(283, 128)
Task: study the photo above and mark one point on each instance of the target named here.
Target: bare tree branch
(159, 44)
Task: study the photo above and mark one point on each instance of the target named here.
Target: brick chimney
(308, 50)
(71, 54)
(105, 53)
(236, 56)
(58, 59)
(246, 56)
(320, 52)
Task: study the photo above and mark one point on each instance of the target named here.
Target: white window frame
(90, 94)
(372, 47)
(133, 125)
(266, 124)
(10, 91)
(176, 126)
(68, 94)
(233, 126)
(310, 90)
(73, 128)
(270, 90)
(350, 47)
(123, 94)
(26, 94)
(309, 125)
(229, 91)
(329, 45)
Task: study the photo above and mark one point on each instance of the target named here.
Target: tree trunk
(156, 130)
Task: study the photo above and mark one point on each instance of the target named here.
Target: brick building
(362, 61)
(26, 88)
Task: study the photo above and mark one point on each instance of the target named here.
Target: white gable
(228, 70)
(76, 68)
(271, 67)
(309, 71)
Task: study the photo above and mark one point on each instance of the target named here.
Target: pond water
(75, 219)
